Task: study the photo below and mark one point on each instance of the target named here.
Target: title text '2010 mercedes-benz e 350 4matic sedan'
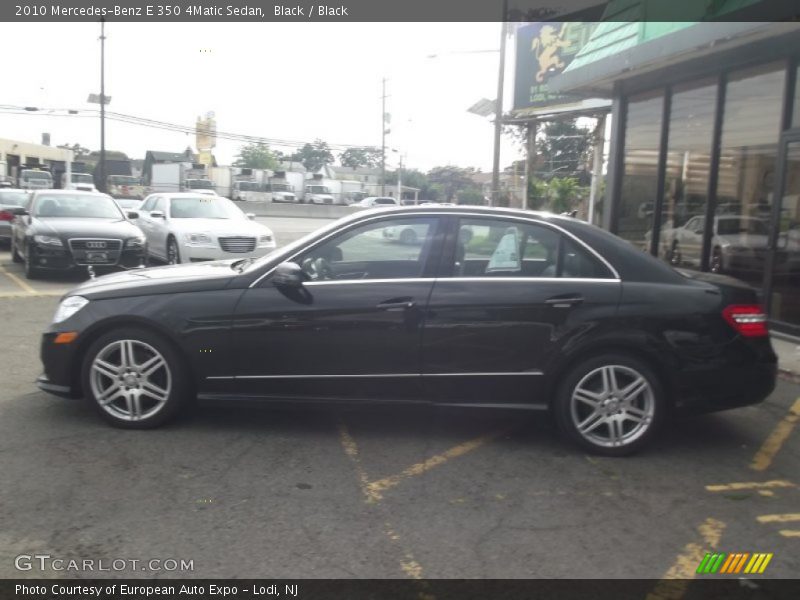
(490, 308)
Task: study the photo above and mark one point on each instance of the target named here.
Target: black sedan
(65, 229)
(489, 308)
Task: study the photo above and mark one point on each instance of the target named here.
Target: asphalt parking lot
(255, 491)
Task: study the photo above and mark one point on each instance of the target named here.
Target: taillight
(748, 319)
(6, 216)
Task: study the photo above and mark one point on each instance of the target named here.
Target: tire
(31, 272)
(142, 388)
(15, 257)
(587, 411)
(173, 252)
(408, 237)
(715, 264)
(675, 255)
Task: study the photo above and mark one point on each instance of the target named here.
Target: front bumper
(204, 253)
(44, 384)
(61, 259)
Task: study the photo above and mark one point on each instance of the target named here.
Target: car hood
(99, 228)
(172, 279)
(219, 226)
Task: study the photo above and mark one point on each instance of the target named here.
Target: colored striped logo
(734, 563)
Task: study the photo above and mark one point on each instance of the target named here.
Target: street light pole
(383, 136)
(498, 115)
(102, 178)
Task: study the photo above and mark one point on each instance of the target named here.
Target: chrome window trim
(464, 279)
(525, 219)
(377, 375)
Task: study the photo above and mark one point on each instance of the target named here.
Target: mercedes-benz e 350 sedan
(489, 308)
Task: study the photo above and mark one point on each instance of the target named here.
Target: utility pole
(498, 115)
(383, 137)
(102, 165)
(400, 182)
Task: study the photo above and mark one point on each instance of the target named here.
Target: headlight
(68, 307)
(265, 239)
(137, 242)
(197, 238)
(47, 240)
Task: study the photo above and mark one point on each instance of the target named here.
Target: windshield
(744, 225)
(13, 198)
(204, 207)
(199, 184)
(318, 189)
(77, 206)
(123, 180)
(82, 178)
(280, 187)
(36, 175)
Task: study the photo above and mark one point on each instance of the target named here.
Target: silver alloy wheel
(172, 252)
(612, 406)
(130, 380)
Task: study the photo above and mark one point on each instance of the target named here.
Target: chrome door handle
(395, 305)
(564, 301)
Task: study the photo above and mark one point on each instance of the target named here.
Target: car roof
(8, 189)
(67, 192)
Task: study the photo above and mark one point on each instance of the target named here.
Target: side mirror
(20, 212)
(251, 216)
(133, 215)
(288, 275)
(158, 214)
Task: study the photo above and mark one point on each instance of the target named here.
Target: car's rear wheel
(173, 253)
(133, 379)
(611, 404)
(675, 258)
(715, 265)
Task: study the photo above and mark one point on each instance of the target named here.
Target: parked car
(64, 230)
(10, 199)
(738, 243)
(538, 312)
(191, 227)
(373, 201)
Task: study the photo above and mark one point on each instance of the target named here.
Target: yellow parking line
(750, 485)
(23, 284)
(351, 450)
(377, 487)
(772, 445)
(788, 517)
(790, 533)
(674, 582)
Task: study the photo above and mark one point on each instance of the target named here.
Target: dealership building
(703, 164)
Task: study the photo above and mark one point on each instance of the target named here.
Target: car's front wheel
(611, 404)
(133, 379)
(173, 253)
(31, 272)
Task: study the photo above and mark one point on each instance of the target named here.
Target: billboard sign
(544, 50)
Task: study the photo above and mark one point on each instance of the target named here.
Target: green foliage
(470, 196)
(256, 156)
(314, 156)
(361, 157)
(564, 147)
(537, 193)
(564, 192)
(451, 180)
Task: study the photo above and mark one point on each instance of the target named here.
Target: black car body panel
(436, 338)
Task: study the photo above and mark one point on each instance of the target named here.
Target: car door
(692, 240)
(353, 330)
(145, 222)
(511, 293)
(159, 227)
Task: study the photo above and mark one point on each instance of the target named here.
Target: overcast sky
(295, 81)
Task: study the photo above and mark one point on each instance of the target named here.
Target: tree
(563, 147)
(563, 194)
(314, 156)
(361, 157)
(256, 156)
(537, 193)
(451, 180)
(77, 149)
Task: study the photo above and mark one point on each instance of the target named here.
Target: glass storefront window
(745, 183)
(688, 165)
(640, 170)
(785, 299)
(796, 111)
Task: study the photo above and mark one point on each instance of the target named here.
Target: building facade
(704, 157)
